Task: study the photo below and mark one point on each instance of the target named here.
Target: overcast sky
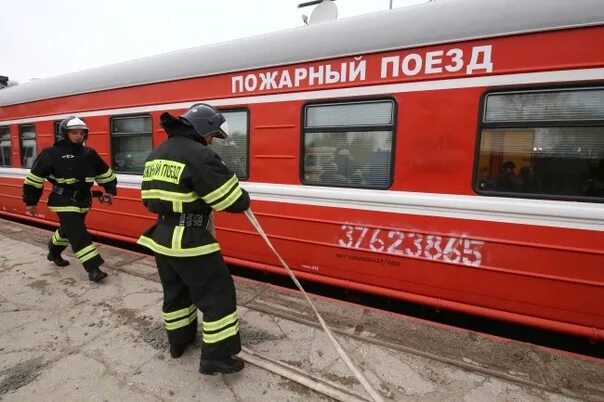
(43, 38)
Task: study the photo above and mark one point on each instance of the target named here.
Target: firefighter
(72, 168)
(183, 182)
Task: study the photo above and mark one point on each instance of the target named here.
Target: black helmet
(206, 120)
(72, 123)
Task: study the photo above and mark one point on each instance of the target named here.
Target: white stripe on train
(587, 74)
(560, 214)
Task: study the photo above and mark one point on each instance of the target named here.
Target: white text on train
(456, 250)
(358, 69)
(434, 62)
(315, 75)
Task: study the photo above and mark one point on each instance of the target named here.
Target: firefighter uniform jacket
(72, 169)
(183, 182)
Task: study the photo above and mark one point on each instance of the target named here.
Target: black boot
(57, 259)
(177, 349)
(96, 275)
(225, 366)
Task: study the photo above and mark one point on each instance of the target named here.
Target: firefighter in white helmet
(72, 168)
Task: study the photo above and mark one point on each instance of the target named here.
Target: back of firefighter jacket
(183, 181)
(72, 169)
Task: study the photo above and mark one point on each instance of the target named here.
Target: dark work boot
(96, 275)
(225, 366)
(58, 260)
(177, 349)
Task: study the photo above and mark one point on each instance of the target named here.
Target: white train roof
(439, 21)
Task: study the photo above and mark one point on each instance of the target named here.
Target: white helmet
(72, 123)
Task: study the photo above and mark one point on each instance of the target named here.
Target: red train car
(450, 154)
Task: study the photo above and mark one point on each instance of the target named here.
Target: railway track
(467, 365)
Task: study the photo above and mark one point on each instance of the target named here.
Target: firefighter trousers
(73, 231)
(205, 283)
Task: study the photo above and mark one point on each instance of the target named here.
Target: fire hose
(372, 392)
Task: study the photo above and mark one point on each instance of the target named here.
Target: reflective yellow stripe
(163, 170)
(69, 180)
(89, 179)
(169, 195)
(179, 313)
(33, 177)
(33, 183)
(177, 206)
(59, 237)
(219, 336)
(177, 237)
(170, 326)
(223, 322)
(68, 209)
(85, 250)
(108, 173)
(183, 252)
(88, 256)
(87, 253)
(220, 191)
(227, 202)
(105, 177)
(103, 181)
(57, 240)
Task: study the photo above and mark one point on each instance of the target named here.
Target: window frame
(112, 118)
(338, 101)
(10, 155)
(56, 127)
(248, 136)
(481, 126)
(19, 132)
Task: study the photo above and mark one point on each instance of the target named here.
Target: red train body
(431, 103)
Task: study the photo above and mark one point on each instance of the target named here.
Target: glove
(104, 198)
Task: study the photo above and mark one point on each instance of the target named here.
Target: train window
(5, 148)
(543, 144)
(349, 144)
(57, 124)
(27, 140)
(234, 150)
(131, 143)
